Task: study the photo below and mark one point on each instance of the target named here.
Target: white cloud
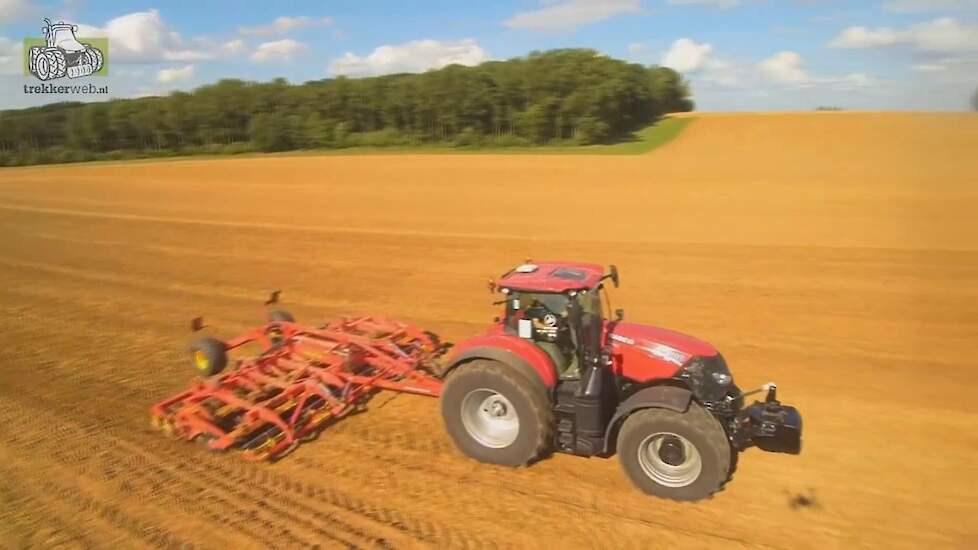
(785, 68)
(716, 3)
(278, 50)
(916, 6)
(13, 10)
(411, 57)
(167, 76)
(961, 69)
(143, 37)
(686, 56)
(928, 67)
(285, 24)
(234, 47)
(852, 81)
(863, 37)
(566, 15)
(11, 56)
(945, 35)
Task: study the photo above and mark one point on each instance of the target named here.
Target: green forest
(559, 97)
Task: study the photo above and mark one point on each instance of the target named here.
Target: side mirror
(619, 314)
(614, 276)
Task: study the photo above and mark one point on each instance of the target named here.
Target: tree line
(561, 96)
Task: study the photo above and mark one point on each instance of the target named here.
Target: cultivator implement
(302, 379)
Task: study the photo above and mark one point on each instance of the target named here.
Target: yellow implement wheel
(200, 360)
(209, 356)
(278, 316)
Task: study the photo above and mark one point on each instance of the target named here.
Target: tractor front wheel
(33, 54)
(681, 456)
(495, 414)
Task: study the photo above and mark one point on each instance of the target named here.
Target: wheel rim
(670, 459)
(41, 65)
(200, 360)
(490, 418)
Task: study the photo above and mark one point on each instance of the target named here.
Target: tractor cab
(557, 306)
(62, 35)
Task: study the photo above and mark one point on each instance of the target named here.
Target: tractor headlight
(707, 377)
(722, 378)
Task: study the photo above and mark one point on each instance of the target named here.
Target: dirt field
(836, 254)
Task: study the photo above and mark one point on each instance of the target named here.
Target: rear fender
(673, 398)
(525, 357)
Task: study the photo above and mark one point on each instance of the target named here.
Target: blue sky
(738, 54)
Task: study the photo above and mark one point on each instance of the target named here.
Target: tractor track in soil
(62, 529)
(158, 463)
(108, 430)
(175, 484)
(132, 397)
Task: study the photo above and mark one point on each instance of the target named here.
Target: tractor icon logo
(63, 55)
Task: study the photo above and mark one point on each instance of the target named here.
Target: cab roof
(552, 276)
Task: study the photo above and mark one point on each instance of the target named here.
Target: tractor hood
(653, 352)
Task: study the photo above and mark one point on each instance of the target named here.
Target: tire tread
(696, 419)
(541, 409)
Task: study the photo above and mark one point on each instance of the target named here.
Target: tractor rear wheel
(495, 414)
(681, 456)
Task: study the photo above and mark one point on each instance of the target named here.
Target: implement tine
(267, 404)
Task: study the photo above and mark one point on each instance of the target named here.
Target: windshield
(63, 36)
(520, 302)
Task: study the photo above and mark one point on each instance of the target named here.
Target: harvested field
(836, 253)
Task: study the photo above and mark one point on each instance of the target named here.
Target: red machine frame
(269, 403)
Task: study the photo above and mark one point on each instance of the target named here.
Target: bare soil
(834, 253)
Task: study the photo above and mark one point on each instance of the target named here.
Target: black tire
(280, 315)
(529, 402)
(33, 53)
(208, 356)
(42, 68)
(94, 57)
(699, 428)
(57, 63)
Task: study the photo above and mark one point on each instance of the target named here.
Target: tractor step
(304, 377)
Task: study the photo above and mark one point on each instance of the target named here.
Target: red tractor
(556, 373)
(553, 373)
